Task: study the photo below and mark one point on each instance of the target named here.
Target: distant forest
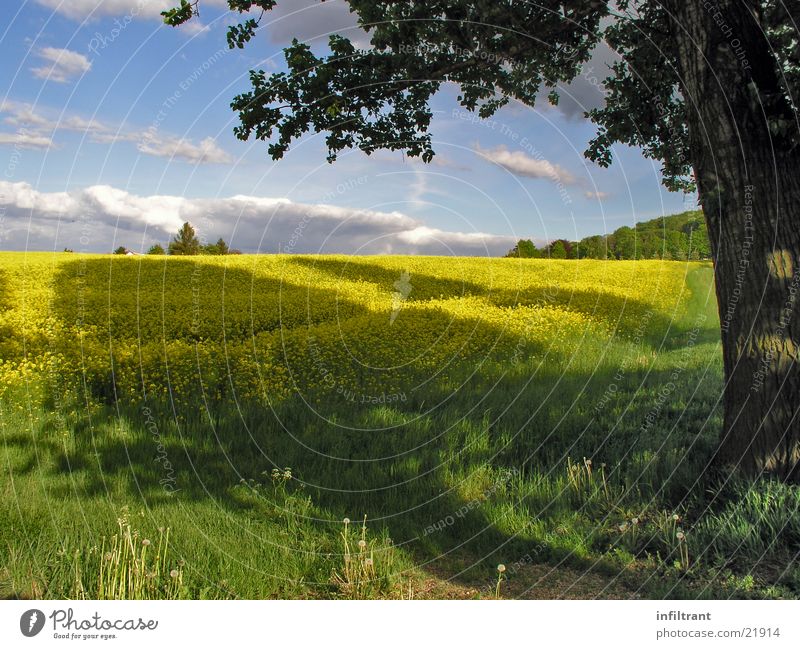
(680, 236)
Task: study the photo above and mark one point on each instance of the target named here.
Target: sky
(115, 129)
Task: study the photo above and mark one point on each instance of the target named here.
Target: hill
(679, 236)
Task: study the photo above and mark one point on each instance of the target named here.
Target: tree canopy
(218, 248)
(379, 97)
(525, 249)
(185, 242)
(679, 236)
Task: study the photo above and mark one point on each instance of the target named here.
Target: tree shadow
(6, 300)
(188, 298)
(436, 468)
(5, 290)
(423, 287)
(621, 314)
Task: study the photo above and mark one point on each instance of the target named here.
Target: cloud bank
(98, 218)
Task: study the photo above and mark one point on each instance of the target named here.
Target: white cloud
(206, 151)
(418, 189)
(76, 123)
(83, 9)
(37, 130)
(25, 140)
(423, 236)
(19, 114)
(194, 27)
(30, 117)
(150, 9)
(312, 19)
(302, 19)
(61, 65)
(521, 164)
(587, 90)
(41, 220)
(159, 212)
(24, 197)
(600, 196)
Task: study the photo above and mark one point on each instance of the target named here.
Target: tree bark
(749, 187)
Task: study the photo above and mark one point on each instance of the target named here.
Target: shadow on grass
(187, 298)
(480, 475)
(623, 314)
(6, 299)
(456, 488)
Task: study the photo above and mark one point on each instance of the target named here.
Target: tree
(699, 243)
(676, 245)
(122, 250)
(185, 242)
(572, 249)
(648, 245)
(525, 249)
(709, 89)
(594, 247)
(558, 249)
(625, 243)
(155, 249)
(697, 239)
(218, 248)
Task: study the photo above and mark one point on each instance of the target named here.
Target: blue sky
(114, 128)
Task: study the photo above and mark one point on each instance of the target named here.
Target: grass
(593, 462)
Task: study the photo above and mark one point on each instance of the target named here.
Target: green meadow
(313, 427)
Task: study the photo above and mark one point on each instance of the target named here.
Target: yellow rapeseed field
(269, 326)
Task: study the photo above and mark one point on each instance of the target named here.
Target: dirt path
(531, 581)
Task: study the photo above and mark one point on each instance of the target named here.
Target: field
(203, 427)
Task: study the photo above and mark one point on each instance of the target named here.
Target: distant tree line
(185, 243)
(680, 236)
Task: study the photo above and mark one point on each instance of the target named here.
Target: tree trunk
(749, 187)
